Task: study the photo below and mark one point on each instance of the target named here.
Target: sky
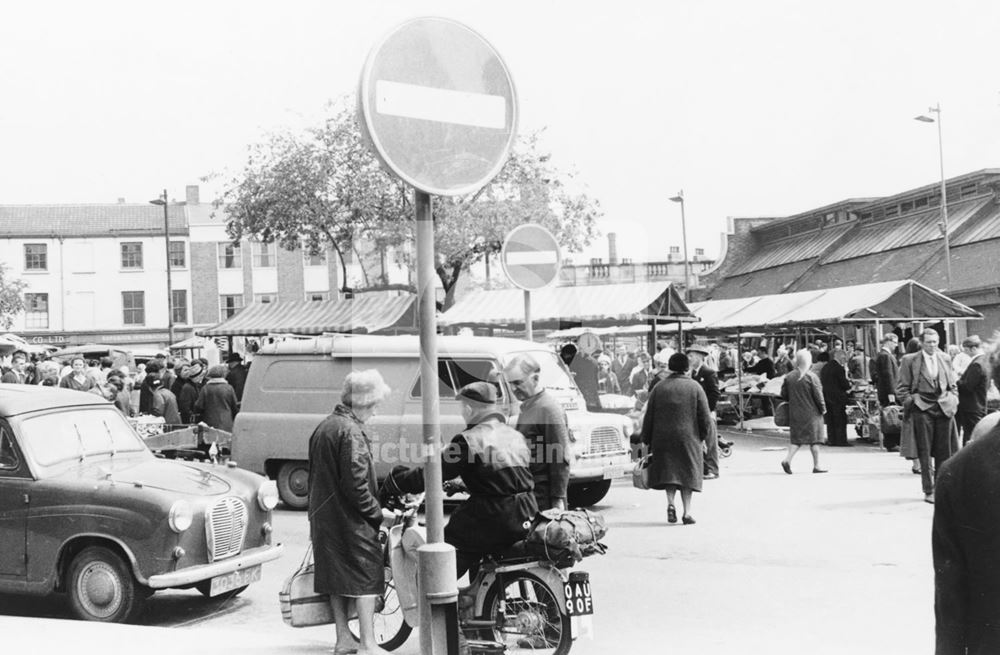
(764, 108)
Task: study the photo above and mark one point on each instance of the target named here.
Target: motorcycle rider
(492, 459)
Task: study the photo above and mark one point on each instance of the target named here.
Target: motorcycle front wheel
(391, 629)
(527, 616)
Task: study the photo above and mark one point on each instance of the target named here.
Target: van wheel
(588, 493)
(293, 484)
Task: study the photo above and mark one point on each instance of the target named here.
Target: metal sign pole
(528, 334)
(436, 559)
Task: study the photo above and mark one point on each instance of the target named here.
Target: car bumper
(193, 574)
(600, 467)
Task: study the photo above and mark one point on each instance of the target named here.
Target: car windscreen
(76, 434)
(552, 375)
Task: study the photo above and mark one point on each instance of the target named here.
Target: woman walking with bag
(677, 421)
(804, 394)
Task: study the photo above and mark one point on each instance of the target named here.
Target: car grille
(225, 528)
(605, 439)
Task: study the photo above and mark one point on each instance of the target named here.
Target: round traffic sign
(438, 106)
(530, 257)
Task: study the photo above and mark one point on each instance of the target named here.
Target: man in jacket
(926, 390)
(16, 374)
(622, 366)
(237, 376)
(709, 381)
(885, 375)
(584, 370)
(972, 387)
(542, 421)
(492, 459)
(964, 537)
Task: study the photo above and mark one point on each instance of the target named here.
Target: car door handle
(27, 500)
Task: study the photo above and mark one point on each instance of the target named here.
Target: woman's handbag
(781, 415)
(302, 607)
(640, 473)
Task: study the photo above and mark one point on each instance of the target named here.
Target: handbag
(781, 415)
(301, 606)
(640, 473)
(891, 419)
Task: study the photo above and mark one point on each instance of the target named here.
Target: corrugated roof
(88, 220)
(896, 300)
(760, 282)
(602, 304)
(988, 227)
(362, 314)
(898, 264)
(907, 230)
(797, 248)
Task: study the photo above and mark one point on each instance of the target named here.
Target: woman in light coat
(804, 394)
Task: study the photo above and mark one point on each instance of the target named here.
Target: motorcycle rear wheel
(391, 629)
(527, 616)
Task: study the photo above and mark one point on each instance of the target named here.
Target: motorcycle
(516, 601)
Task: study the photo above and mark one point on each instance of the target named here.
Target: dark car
(87, 509)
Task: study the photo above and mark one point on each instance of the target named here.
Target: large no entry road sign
(438, 105)
(530, 257)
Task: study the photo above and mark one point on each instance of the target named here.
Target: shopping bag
(640, 473)
(302, 607)
(781, 415)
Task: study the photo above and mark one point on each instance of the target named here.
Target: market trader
(542, 421)
(492, 459)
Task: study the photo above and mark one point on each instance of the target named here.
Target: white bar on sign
(528, 257)
(441, 105)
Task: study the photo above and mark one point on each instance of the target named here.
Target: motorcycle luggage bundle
(567, 536)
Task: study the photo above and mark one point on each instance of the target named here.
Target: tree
(11, 300)
(324, 188)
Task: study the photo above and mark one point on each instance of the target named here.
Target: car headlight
(180, 516)
(267, 495)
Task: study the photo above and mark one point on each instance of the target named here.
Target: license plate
(579, 601)
(611, 472)
(241, 578)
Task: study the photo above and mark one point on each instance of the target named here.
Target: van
(293, 385)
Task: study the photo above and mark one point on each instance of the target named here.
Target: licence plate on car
(223, 583)
(616, 471)
(579, 601)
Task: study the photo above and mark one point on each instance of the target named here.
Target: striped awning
(558, 307)
(364, 314)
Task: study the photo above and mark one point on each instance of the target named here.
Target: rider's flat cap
(480, 392)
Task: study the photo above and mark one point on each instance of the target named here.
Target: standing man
(237, 376)
(542, 421)
(584, 370)
(926, 390)
(963, 539)
(641, 374)
(709, 381)
(16, 374)
(764, 365)
(972, 387)
(885, 375)
(622, 366)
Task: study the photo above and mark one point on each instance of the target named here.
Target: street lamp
(944, 194)
(687, 263)
(170, 293)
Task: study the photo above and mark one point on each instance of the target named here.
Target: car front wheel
(102, 588)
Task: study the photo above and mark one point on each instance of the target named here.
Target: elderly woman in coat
(677, 421)
(344, 514)
(804, 394)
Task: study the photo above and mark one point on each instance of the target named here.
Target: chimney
(191, 193)
(612, 248)
(121, 201)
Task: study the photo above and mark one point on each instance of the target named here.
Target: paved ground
(833, 563)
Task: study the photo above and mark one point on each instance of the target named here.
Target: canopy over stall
(363, 315)
(576, 306)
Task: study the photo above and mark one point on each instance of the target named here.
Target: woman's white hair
(803, 359)
(364, 388)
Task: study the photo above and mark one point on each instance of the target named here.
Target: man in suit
(709, 381)
(621, 367)
(926, 390)
(16, 374)
(963, 539)
(885, 375)
(972, 387)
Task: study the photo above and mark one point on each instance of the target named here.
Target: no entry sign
(438, 106)
(530, 257)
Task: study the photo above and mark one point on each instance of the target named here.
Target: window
(134, 307)
(317, 296)
(467, 371)
(445, 387)
(675, 250)
(178, 305)
(905, 207)
(920, 203)
(230, 255)
(263, 254)
(36, 310)
(177, 254)
(319, 259)
(892, 211)
(230, 305)
(265, 298)
(699, 252)
(967, 190)
(8, 456)
(132, 254)
(36, 257)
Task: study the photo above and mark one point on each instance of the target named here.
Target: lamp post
(944, 194)
(687, 263)
(170, 293)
